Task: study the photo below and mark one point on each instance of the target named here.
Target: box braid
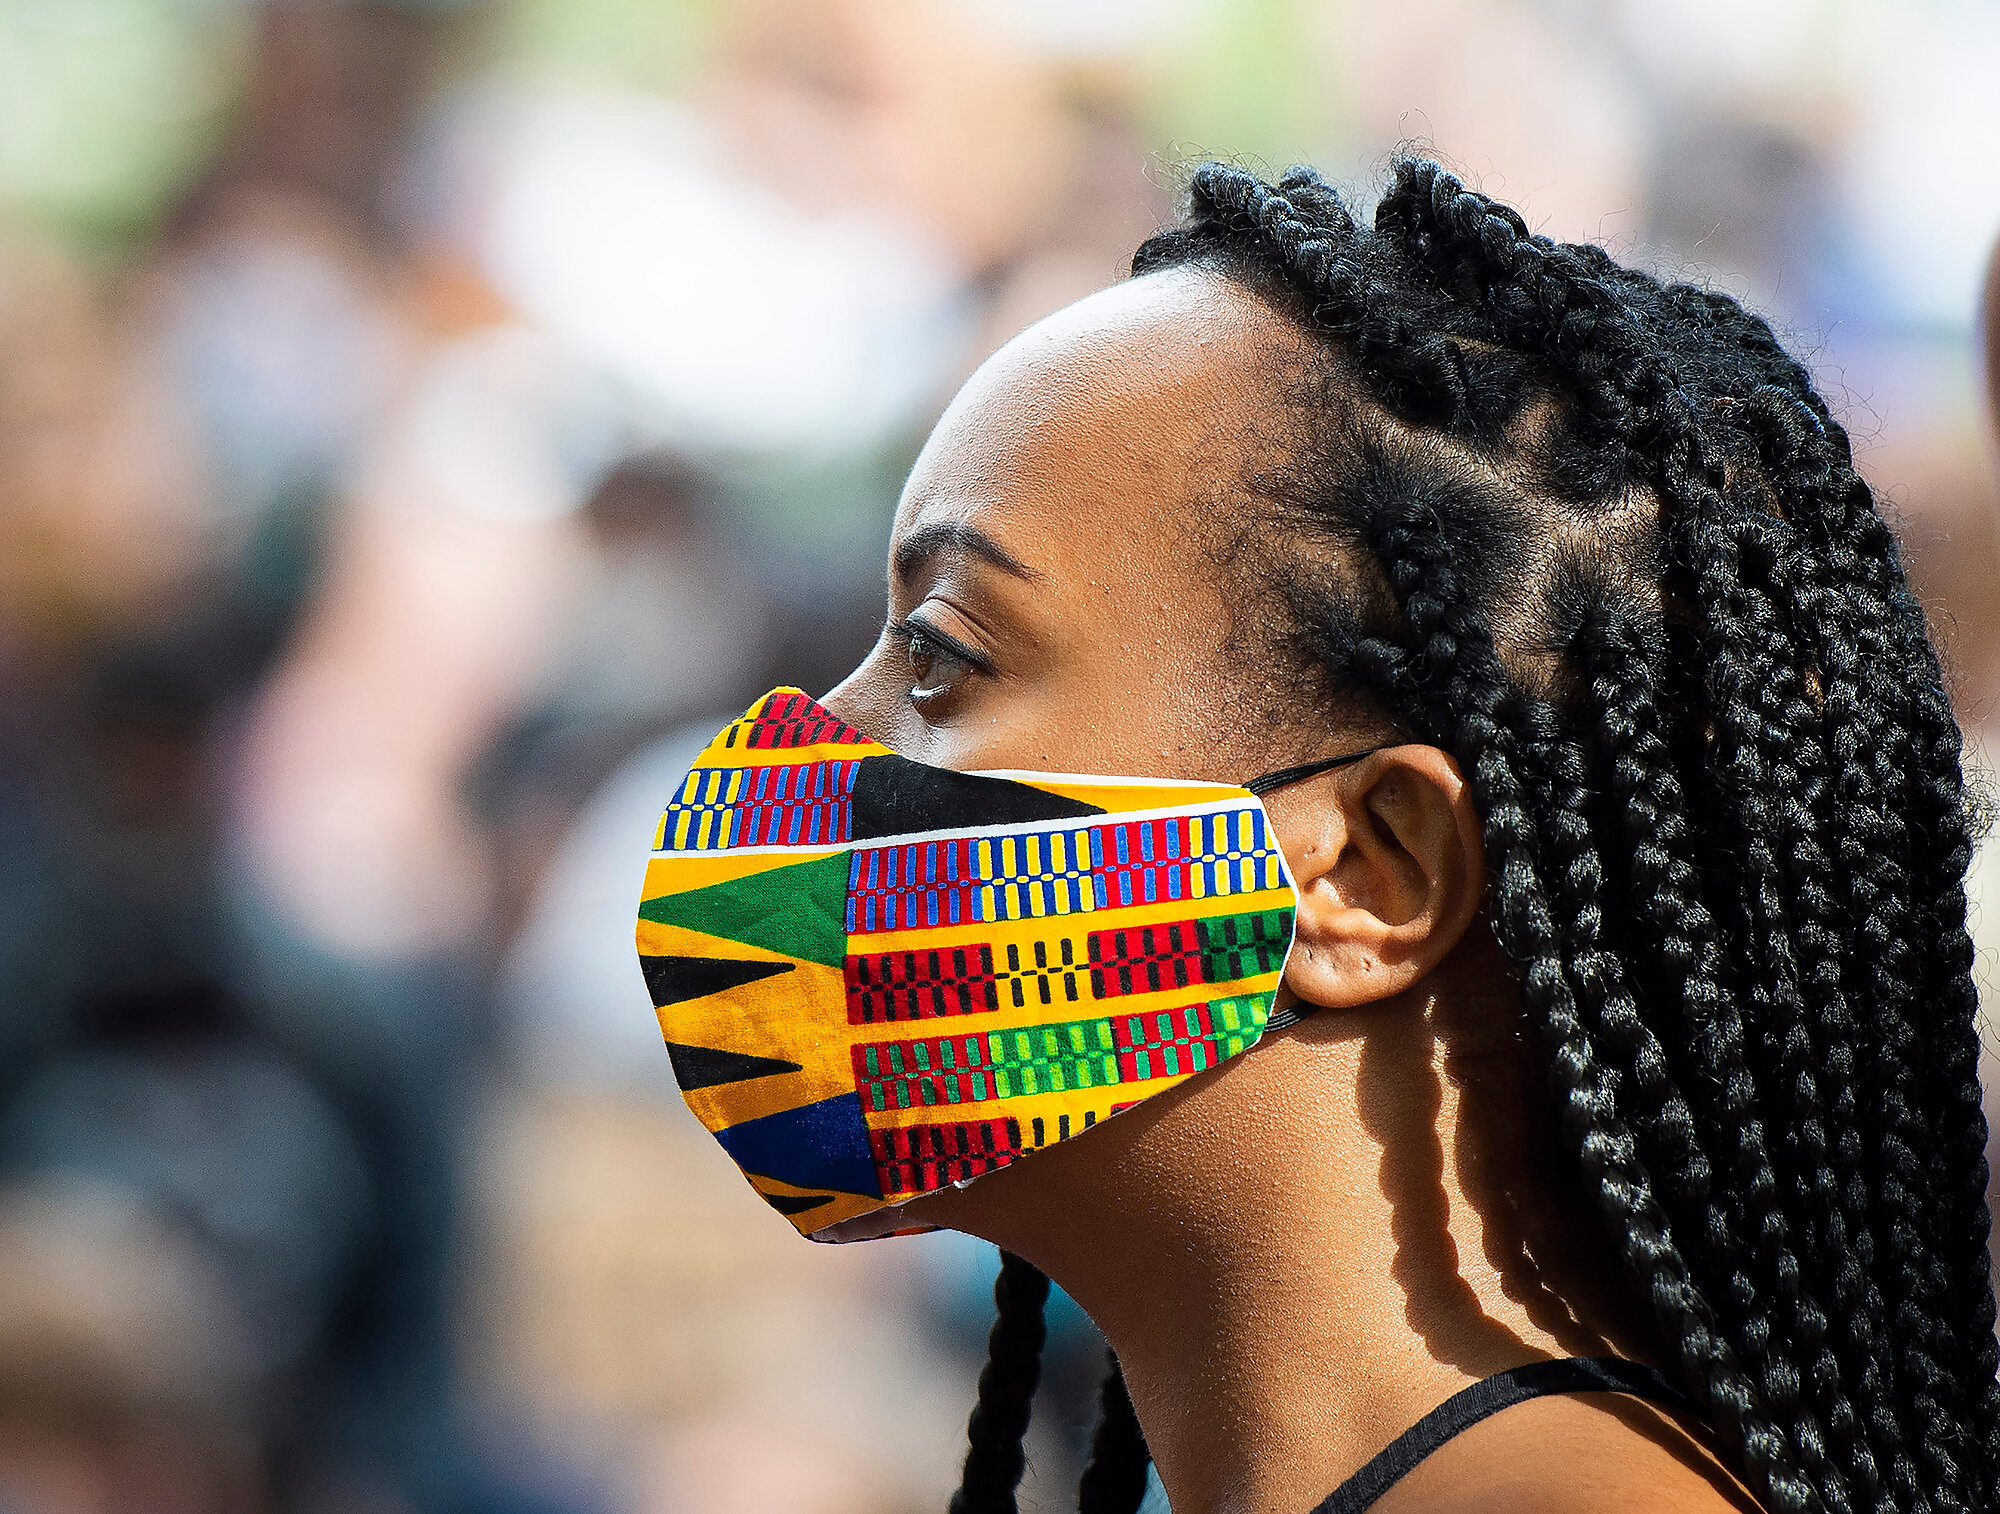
(995, 1462)
(1607, 546)
(1114, 1479)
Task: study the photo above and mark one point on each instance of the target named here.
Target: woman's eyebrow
(927, 542)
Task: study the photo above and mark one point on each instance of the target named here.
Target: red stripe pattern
(888, 986)
(920, 1158)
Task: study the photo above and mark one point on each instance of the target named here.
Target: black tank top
(1460, 1412)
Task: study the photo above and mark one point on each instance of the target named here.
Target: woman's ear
(1390, 862)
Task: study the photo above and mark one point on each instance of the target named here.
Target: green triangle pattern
(800, 910)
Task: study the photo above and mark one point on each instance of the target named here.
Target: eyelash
(915, 635)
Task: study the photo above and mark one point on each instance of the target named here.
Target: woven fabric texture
(876, 978)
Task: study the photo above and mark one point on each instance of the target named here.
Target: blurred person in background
(173, 439)
(123, 1384)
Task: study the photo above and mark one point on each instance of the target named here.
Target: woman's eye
(938, 663)
(934, 667)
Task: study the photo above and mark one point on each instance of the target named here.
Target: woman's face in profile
(1067, 593)
(1059, 590)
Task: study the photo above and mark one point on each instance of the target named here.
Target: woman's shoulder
(1579, 1454)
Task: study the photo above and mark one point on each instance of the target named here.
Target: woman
(1628, 1018)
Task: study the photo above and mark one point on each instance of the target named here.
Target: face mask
(877, 978)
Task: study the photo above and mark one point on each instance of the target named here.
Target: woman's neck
(1298, 1256)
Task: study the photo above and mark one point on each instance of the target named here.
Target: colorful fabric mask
(877, 978)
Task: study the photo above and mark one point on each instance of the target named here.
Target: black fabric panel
(706, 1067)
(1503, 1390)
(673, 979)
(894, 796)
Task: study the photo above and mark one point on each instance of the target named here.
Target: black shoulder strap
(1460, 1412)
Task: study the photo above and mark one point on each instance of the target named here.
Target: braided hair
(996, 1460)
(1609, 549)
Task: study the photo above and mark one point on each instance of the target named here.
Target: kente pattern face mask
(877, 978)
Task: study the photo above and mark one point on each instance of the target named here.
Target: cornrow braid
(1614, 556)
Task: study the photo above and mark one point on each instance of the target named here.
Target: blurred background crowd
(423, 422)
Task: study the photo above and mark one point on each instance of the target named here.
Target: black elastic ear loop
(1262, 786)
(1292, 1014)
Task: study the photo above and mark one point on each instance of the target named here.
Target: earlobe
(1390, 865)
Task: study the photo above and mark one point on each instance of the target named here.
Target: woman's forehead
(1117, 411)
